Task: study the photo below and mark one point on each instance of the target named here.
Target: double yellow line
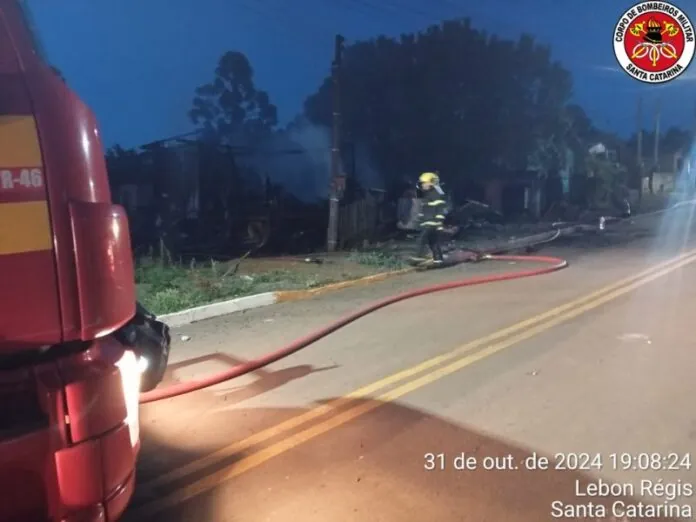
(351, 406)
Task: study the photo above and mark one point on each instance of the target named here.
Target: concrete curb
(240, 304)
(209, 311)
(285, 296)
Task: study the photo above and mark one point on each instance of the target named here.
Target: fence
(361, 221)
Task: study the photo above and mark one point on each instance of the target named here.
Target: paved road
(516, 375)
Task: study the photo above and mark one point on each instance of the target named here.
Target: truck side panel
(84, 279)
(69, 426)
(26, 237)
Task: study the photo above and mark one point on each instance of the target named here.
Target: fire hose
(552, 264)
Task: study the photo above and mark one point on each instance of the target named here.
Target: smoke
(299, 159)
(365, 172)
(315, 142)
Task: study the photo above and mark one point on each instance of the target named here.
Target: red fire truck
(71, 356)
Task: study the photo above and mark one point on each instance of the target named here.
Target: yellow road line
(337, 404)
(258, 458)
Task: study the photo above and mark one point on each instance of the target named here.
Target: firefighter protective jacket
(433, 209)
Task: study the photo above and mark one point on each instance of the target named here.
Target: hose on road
(552, 264)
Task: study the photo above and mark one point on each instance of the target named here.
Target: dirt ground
(336, 267)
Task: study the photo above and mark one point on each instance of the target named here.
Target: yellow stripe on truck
(24, 227)
(19, 143)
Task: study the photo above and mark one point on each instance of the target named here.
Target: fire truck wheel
(153, 342)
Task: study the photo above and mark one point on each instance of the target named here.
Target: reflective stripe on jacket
(434, 209)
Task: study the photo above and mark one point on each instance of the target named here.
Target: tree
(124, 166)
(451, 98)
(230, 109)
(608, 187)
(671, 143)
(234, 115)
(675, 140)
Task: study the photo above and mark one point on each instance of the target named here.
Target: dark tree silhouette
(124, 166)
(456, 99)
(230, 109)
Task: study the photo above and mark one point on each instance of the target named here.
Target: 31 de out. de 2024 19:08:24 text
(641, 461)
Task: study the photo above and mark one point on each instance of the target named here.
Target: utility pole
(337, 178)
(639, 135)
(639, 146)
(656, 145)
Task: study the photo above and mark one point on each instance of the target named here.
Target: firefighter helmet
(429, 177)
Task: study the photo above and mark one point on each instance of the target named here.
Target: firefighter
(431, 218)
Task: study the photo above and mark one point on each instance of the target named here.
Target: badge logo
(654, 42)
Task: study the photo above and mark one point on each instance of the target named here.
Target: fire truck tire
(154, 342)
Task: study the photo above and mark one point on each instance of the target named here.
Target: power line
(308, 36)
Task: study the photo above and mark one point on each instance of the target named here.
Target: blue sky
(137, 62)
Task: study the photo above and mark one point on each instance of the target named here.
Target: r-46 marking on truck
(11, 179)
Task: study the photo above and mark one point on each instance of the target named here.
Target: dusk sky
(137, 62)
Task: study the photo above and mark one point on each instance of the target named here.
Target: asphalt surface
(599, 391)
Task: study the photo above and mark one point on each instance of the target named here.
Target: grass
(170, 287)
(376, 259)
(165, 288)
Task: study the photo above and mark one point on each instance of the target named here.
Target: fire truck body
(68, 388)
